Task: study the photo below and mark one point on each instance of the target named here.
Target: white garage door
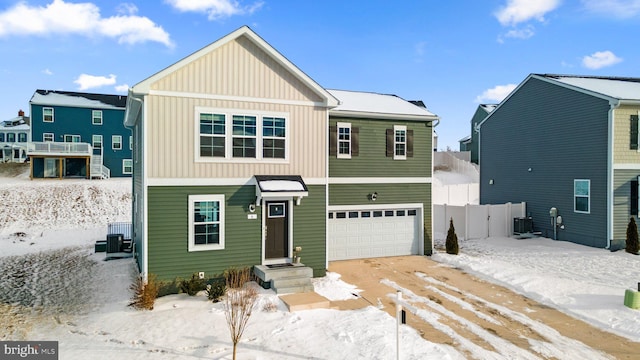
(355, 234)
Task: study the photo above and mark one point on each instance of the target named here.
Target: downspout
(434, 123)
(613, 105)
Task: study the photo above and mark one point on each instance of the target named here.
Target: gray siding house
(571, 143)
(470, 142)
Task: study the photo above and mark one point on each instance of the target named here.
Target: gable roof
(78, 99)
(143, 87)
(488, 107)
(619, 88)
(367, 104)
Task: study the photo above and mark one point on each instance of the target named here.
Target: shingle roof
(78, 99)
(374, 103)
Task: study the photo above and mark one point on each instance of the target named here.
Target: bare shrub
(238, 303)
(144, 293)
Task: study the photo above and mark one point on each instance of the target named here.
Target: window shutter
(355, 141)
(409, 143)
(634, 198)
(390, 143)
(333, 140)
(634, 133)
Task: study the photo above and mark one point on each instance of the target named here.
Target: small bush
(192, 286)
(144, 294)
(451, 243)
(633, 246)
(216, 290)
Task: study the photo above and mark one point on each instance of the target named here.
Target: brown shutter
(633, 144)
(355, 141)
(333, 140)
(390, 142)
(634, 198)
(409, 143)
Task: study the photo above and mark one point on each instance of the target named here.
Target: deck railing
(58, 148)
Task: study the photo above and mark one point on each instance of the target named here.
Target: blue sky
(453, 55)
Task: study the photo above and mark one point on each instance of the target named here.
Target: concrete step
(290, 281)
(268, 274)
(305, 301)
(293, 289)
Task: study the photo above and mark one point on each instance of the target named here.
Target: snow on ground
(442, 177)
(95, 322)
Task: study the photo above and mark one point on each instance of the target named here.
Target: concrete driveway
(479, 319)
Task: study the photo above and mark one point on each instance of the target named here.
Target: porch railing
(59, 148)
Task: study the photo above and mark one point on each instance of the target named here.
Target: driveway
(479, 319)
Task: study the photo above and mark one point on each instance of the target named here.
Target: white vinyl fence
(477, 221)
(456, 194)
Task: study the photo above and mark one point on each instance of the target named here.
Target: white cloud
(122, 88)
(617, 8)
(519, 11)
(600, 59)
(523, 33)
(86, 81)
(47, 72)
(215, 9)
(60, 17)
(495, 94)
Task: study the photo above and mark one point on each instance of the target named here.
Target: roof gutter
(369, 115)
(128, 114)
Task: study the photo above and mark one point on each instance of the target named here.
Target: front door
(277, 223)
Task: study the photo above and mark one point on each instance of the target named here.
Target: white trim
(92, 117)
(343, 125)
(379, 180)
(113, 142)
(53, 137)
(407, 206)
(217, 181)
(53, 118)
(582, 196)
(395, 129)
(247, 99)
(610, 176)
(626, 166)
(123, 167)
(221, 212)
(145, 186)
(93, 142)
(290, 203)
(385, 116)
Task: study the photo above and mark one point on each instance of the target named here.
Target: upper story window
(400, 142)
(634, 134)
(206, 222)
(72, 138)
(344, 140)
(1, 137)
(273, 137)
(48, 137)
(116, 142)
(212, 135)
(22, 137)
(224, 135)
(96, 141)
(47, 114)
(581, 195)
(11, 137)
(127, 166)
(96, 117)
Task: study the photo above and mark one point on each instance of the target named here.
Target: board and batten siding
(172, 140)
(622, 154)
(358, 194)
(238, 68)
(560, 135)
(372, 160)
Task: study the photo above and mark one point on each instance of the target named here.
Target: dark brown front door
(277, 241)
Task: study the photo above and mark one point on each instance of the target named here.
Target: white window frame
(339, 126)
(48, 137)
(588, 196)
(221, 229)
(12, 135)
(116, 140)
(94, 117)
(397, 156)
(73, 138)
(228, 113)
(45, 115)
(273, 137)
(25, 137)
(93, 141)
(127, 163)
(4, 136)
(130, 142)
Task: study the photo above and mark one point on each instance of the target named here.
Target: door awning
(278, 186)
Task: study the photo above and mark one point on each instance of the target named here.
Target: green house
(240, 158)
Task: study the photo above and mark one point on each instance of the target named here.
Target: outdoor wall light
(373, 196)
(252, 208)
(490, 181)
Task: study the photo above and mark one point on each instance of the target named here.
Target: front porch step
(285, 280)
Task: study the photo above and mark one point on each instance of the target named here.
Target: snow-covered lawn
(95, 322)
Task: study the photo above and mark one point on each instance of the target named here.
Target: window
(341, 215)
(400, 142)
(244, 136)
(206, 222)
(344, 140)
(96, 141)
(127, 166)
(330, 215)
(365, 214)
(400, 213)
(48, 137)
(388, 213)
(353, 214)
(11, 137)
(212, 135)
(96, 117)
(412, 212)
(116, 142)
(581, 195)
(22, 137)
(273, 137)
(1, 136)
(633, 145)
(377, 214)
(47, 114)
(72, 138)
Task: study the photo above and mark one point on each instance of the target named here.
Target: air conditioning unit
(522, 225)
(114, 243)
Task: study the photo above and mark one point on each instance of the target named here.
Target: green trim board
(167, 226)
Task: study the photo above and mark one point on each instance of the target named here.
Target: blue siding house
(568, 143)
(79, 135)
